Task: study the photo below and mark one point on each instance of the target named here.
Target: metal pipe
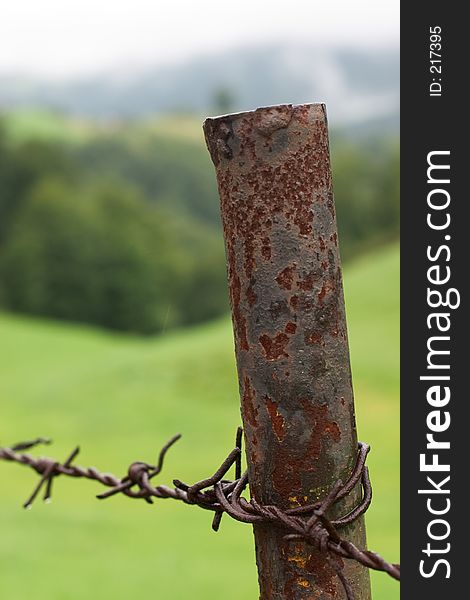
(284, 273)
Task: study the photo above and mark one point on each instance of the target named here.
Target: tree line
(122, 229)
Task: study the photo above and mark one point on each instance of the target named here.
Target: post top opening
(266, 109)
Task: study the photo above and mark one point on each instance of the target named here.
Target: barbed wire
(308, 523)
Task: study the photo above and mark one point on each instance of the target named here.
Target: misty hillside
(357, 85)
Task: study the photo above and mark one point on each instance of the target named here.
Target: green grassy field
(121, 397)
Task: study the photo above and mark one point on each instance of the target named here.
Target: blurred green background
(121, 397)
(114, 325)
(83, 239)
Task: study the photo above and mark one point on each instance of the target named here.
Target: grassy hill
(121, 397)
(39, 124)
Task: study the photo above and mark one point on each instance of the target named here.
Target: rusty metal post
(284, 273)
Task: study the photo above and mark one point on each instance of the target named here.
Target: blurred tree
(169, 172)
(224, 100)
(366, 185)
(387, 190)
(21, 167)
(100, 257)
(203, 290)
(103, 255)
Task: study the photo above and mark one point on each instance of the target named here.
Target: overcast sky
(77, 37)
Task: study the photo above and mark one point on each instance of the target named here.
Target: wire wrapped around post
(311, 524)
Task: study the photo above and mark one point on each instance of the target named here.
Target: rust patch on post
(290, 466)
(274, 347)
(286, 277)
(290, 328)
(277, 419)
(284, 273)
(239, 320)
(250, 411)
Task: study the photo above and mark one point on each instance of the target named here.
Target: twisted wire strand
(308, 523)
